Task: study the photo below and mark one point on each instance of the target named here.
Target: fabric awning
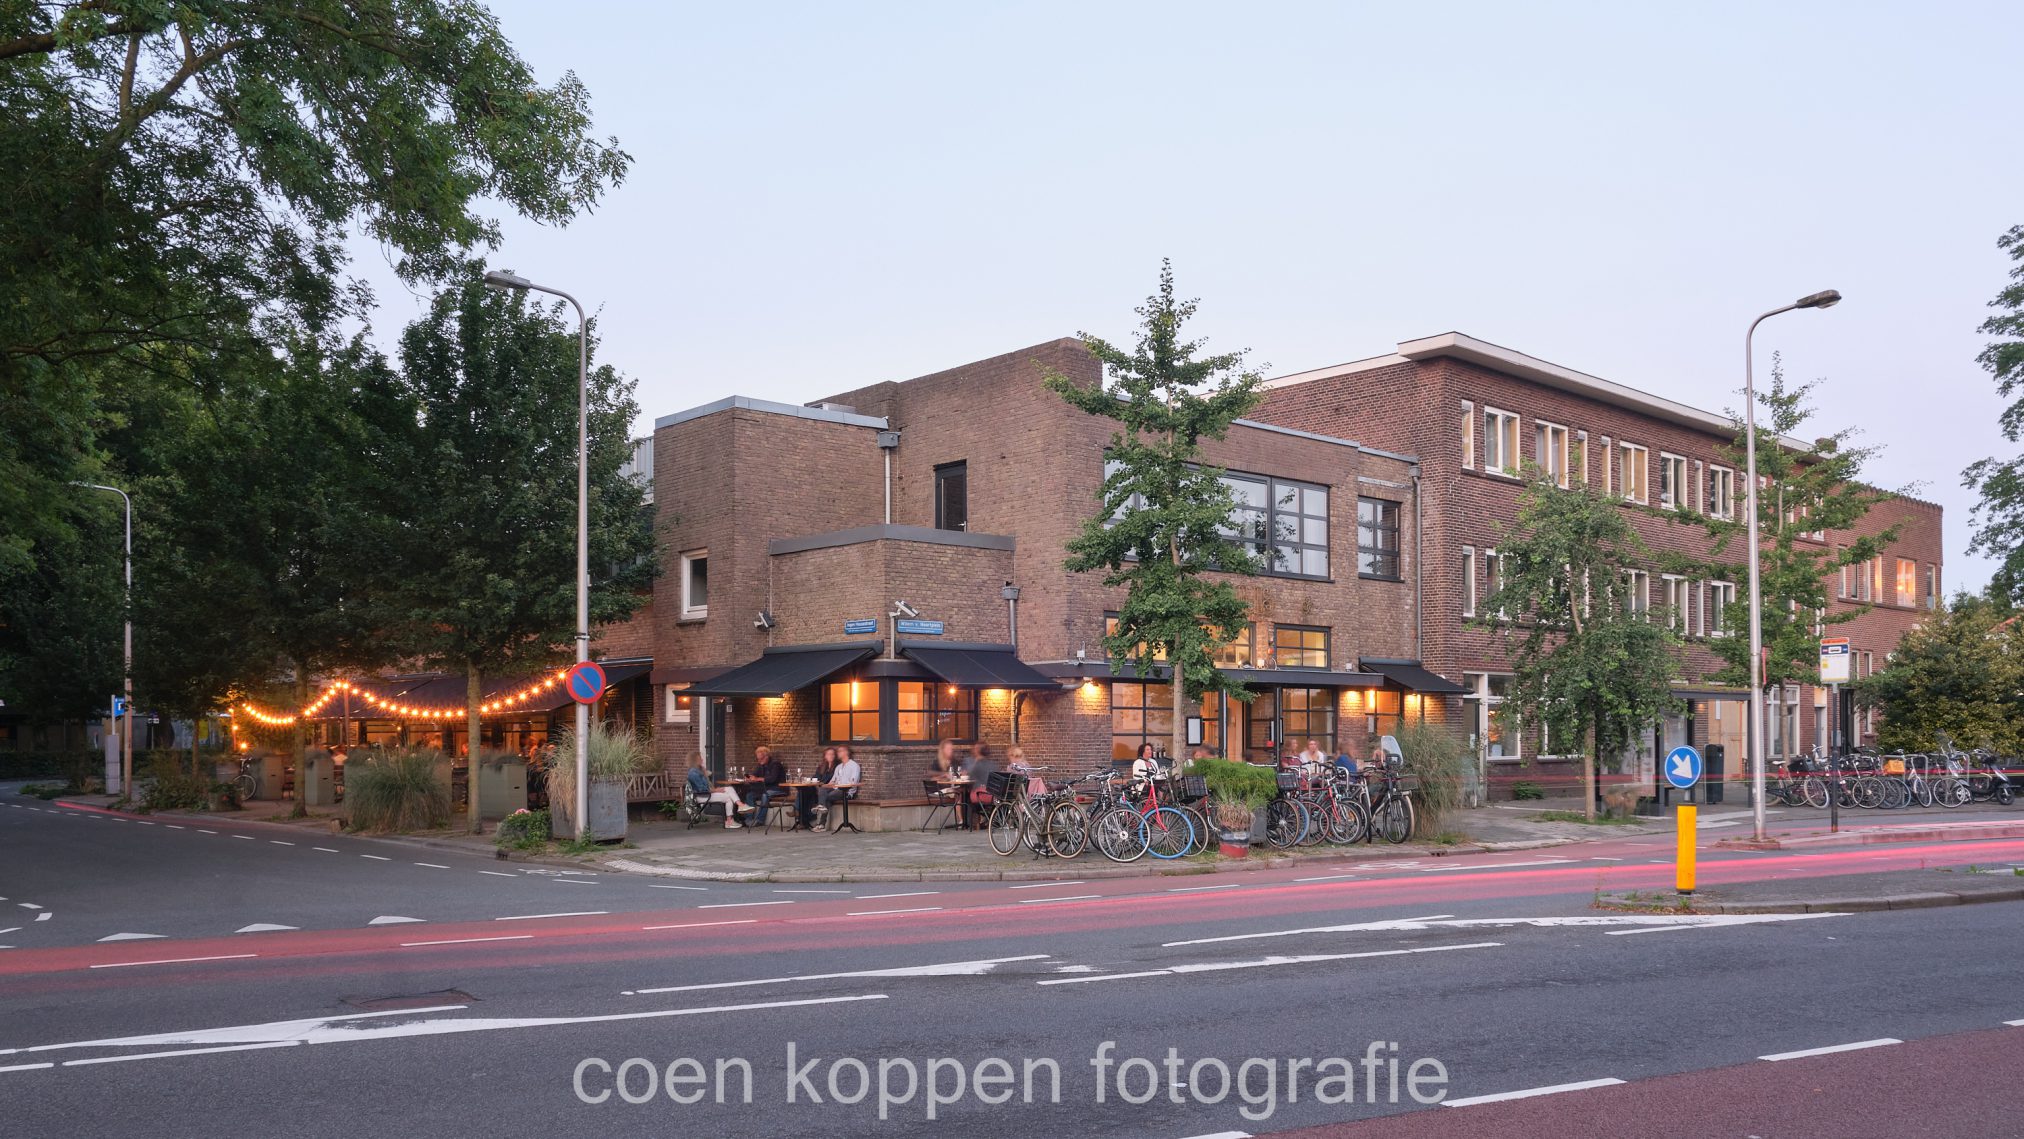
(979, 668)
(780, 671)
(1411, 674)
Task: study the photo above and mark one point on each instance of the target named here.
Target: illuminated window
(1299, 646)
(1907, 582)
(927, 712)
(850, 712)
(1240, 651)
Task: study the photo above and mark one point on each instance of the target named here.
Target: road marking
(1197, 889)
(391, 920)
(263, 927)
(468, 940)
(376, 857)
(130, 936)
(575, 914)
(1604, 858)
(776, 891)
(182, 1052)
(1833, 1048)
(176, 960)
(247, 837)
(701, 924)
(557, 881)
(144, 822)
(326, 850)
(2010, 1023)
(659, 886)
(975, 968)
(44, 916)
(174, 826)
(735, 905)
(1223, 1135)
(1528, 1093)
(1042, 885)
(1070, 898)
(1446, 921)
(278, 842)
(908, 894)
(1497, 865)
(28, 905)
(26, 1067)
(11, 929)
(1266, 962)
(1324, 878)
(432, 865)
(498, 874)
(876, 913)
(201, 830)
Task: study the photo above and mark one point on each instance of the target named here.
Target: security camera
(764, 621)
(902, 609)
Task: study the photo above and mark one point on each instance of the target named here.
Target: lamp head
(506, 280)
(1826, 298)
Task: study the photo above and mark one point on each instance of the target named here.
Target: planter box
(607, 814)
(318, 785)
(502, 788)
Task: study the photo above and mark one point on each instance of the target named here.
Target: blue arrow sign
(1683, 767)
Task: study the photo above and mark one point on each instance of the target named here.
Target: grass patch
(1578, 817)
(1449, 838)
(397, 790)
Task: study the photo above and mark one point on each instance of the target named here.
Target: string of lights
(396, 707)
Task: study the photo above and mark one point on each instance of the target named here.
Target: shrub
(523, 830)
(1239, 790)
(175, 791)
(1526, 789)
(614, 753)
(1442, 761)
(396, 790)
(43, 791)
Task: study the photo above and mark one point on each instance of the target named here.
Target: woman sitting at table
(804, 797)
(942, 771)
(699, 786)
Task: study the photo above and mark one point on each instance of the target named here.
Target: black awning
(622, 671)
(780, 671)
(1302, 678)
(1410, 674)
(979, 668)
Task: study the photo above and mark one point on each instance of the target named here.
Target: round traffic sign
(584, 682)
(1683, 767)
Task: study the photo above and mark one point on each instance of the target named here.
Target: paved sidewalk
(1840, 893)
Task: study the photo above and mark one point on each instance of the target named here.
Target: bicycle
(246, 781)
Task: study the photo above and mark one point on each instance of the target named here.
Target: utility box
(1714, 768)
(318, 785)
(270, 777)
(501, 786)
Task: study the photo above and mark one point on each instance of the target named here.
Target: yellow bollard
(1683, 867)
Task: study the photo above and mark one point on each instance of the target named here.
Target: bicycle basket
(1193, 788)
(1289, 781)
(1001, 783)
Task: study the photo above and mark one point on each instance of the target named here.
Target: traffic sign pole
(1683, 863)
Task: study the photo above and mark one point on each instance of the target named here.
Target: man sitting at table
(770, 773)
(843, 783)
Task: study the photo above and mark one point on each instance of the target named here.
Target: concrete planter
(501, 787)
(607, 814)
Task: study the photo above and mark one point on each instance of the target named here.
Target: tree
(1587, 660)
(1806, 490)
(1959, 674)
(1999, 518)
(486, 542)
(1163, 531)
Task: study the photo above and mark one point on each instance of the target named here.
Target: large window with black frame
(929, 712)
(952, 496)
(1299, 646)
(1377, 539)
(1282, 720)
(1282, 523)
(1144, 714)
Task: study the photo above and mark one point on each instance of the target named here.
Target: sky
(827, 195)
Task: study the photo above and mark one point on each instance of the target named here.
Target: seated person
(770, 773)
(699, 786)
(843, 783)
(978, 802)
(1147, 765)
(804, 797)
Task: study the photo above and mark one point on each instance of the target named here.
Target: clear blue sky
(826, 195)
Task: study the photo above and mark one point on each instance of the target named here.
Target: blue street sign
(921, 628)
(866, 625)
(118, 706)
(584, 682)
(1683, 767)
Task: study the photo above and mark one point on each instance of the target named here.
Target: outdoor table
(801, 818)
(956, 802)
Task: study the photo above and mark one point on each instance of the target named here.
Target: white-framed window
(1638, 586)
(1700, 609)
(1468, 434)
(1500, 441)
(1581, 456)
(1907, 582)
(1494, 732)
(1932, 586)
(1468, 581)
(1721, 595)
(1846, 588)
(1862, 581)
(1699, 505)
(1549, 442)
(1678, 602)
(1495, 566)
(1673, 481)
(1608, 468)
(695, 581)
(1635, 460)
(681, 705)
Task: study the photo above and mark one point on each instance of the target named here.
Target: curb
(1920, 900)
(1865, 836)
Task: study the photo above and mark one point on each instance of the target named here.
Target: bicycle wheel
(1283, 824)
(1868, 793)
(1169, 834)
(1895, 794)
(1394, 821)
(1924, 797)
(1350, 822)
(1119, 835)
(1198, 822)
(1067, 830)
(1004, 828)
(1814, 790)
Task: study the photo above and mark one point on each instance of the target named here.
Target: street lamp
(1753, 732)
(505, 280)
(126, 735)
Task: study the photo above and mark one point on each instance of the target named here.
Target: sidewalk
(1837, 893)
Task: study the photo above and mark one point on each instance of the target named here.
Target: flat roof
(747, 403)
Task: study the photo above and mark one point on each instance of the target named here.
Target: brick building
(1478, 414)
(790, 535)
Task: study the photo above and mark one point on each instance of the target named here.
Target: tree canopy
(1958, 675)
(1999, 516)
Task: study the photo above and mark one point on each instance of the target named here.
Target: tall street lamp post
(1754, 730)
(126, 732)
(506, 280)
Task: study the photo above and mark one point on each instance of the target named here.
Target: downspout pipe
(1419, 578)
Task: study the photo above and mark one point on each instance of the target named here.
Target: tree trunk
(1180, 737)
(1589, 760)
(299, 741)
(472, 731)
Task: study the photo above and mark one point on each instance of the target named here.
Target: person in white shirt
(1313, 760)
(1147, 765)
(843, 782)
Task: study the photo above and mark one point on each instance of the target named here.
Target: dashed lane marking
(376, 857)
(1070, 898)
(1198, 889)
(1042, 885)
(881, 913)
(907, 894)
(701, 924)
(572, 914)
(1266, 963)
(432, 865)
(498, 874)
(326, 849)
(278, 842)
(176, 960)
(737, 905)
(467, 940)
(659, 886)
(1324, 878)
(1528, 1093)
(1833, 1048)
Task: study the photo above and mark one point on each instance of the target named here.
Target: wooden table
(801, 818)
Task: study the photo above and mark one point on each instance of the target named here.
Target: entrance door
(714, 712)
(1262, 731)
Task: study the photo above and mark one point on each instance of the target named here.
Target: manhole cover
(414, 1000)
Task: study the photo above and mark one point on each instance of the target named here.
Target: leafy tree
(1999, 517)
(1805, 490)
(1959, 674)
(1586, 660)
(486, 544)
(1163, 530)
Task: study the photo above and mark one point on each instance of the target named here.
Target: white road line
(1267, 962)
(1070, 898)
(876, 913)
(1604, 858)
(433, 865)
(391, 919)
(201, 830)
(575, 914)
(659, 886)
(28, 905)
(701, 924)
(247, 837)
(1656, 929)
(975, 968)
(176, 960)
(326, 849)
(467, 940)
(1497, 865)
(558, 881)
(908, 894)
(144, 822)
(26, 1067)
(1223, 1135)
(1042, 885)
(10, 929)
(1197, 889)
(174, 826)
(278, 842)
(2010, 1023)
(376, 857)
(1528, 1093)
(1833, 1048)
(1324, 878)
(736, 905)
(182, 1052)
(776, 891)
(498, 874)
(44, 916)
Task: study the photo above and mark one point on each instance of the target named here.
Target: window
(952, 496)
(1281, 522)
(1307, 714)
(1907, 582)
(1110, 630)
(1468, 434)
(1608, 468)
(695, 585)
(1377, 538)
(1549, 442)
(1468, 581)
(1299, 646)
(927, 712)
(1862, 581)
(1932, 586)
(1140, 714)
(1581, 456)
(1634, 459)
(1239, 651)
(850, 712)
(1500, 441)
(1494, 731)
(1638, 587)
(1876, 577)
(1678, 603)
(1721, 595)
(1494, 577)
(1673, 482)
(1847, 587)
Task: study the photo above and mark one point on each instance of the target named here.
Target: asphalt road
(485, 1016)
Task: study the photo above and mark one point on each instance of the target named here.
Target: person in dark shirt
(771, 773)
(804, 797)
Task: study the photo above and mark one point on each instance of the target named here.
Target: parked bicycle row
(1895, 780)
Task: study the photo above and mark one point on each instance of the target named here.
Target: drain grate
(415, 1000)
